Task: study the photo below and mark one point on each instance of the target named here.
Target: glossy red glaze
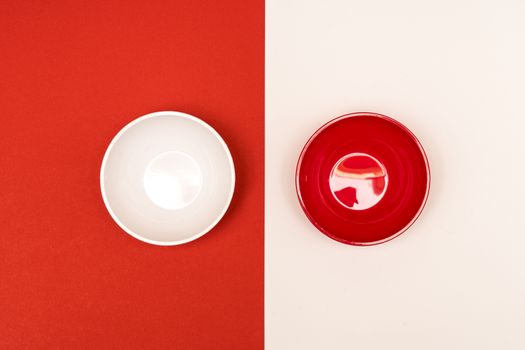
(358, 181)
(363, 178)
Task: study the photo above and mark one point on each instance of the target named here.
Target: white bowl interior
(167, 178)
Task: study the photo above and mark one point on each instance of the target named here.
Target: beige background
(454, 73)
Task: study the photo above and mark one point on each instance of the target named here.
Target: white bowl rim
(150, 116)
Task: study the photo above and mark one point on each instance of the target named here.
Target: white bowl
(167, 178)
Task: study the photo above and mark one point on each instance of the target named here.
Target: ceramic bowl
(363, 178)
(167, 178)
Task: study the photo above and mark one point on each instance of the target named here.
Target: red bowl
(362, 178)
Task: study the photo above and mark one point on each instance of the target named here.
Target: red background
(72, 74)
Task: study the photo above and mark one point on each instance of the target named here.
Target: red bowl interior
(363, 178)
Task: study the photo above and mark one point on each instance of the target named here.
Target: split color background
(73, 73)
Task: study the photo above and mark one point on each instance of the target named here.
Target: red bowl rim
(321, 129)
